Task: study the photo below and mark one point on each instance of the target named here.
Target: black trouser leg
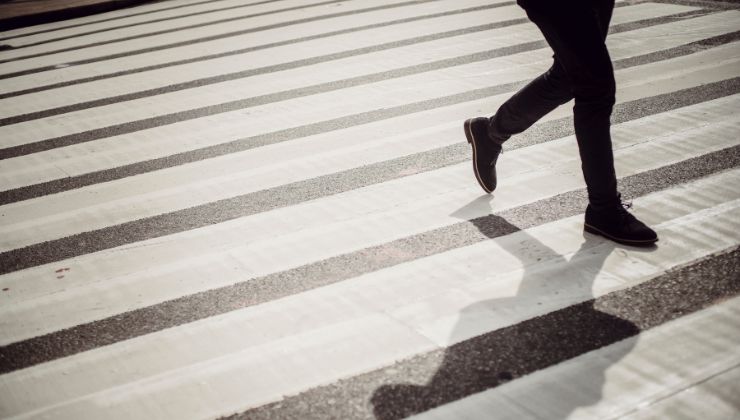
(576, 31)
(532, 102)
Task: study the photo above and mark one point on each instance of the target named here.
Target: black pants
(582, 70)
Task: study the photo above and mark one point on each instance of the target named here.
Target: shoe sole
(634, 242)
(471, 140)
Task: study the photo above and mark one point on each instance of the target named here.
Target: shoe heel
(468, 133)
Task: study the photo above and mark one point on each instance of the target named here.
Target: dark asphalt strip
(386, 170)
(386, 24)
(215, 37)
(78, 25)
(214, 302)
(179, 29)
(503, 355)
(149, 22)
(337, 56)
(173, 118)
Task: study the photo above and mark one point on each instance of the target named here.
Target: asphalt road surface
(267, 210)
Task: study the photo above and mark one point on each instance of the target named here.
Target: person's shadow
(473, 365)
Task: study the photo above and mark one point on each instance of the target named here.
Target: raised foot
(485, 152)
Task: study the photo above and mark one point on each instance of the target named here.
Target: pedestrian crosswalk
(266, 209)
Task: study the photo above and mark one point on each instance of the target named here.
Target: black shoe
(485, 152)
(619, 225)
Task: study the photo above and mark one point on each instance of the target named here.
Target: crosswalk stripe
(550, 127)
(295, 20)
(365, 38)
(98, 123)
(338, 316)
(207, 25)
(714, 396)
(643, 371)
(396, 60)
(270, 59)
(115, 15)
(259, 290)
(151, 22)
(210, 50)
(95, 121)
(226, 184)
(80, 199)
(56, 162)
(214, 71)
(193, 23)
(318, 156)
(290, 85)
(223, 211)
(407, 206)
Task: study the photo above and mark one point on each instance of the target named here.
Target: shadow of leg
(494, 358)
(490, 360)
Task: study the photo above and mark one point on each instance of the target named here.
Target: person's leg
(546, 92)
(576, 35)
(532, 102)
(576, 31)
(536, 99)
(487, 135)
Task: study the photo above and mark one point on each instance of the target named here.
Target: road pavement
(23, 13)
(267, 210)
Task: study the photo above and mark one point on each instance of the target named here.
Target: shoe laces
(624, 214)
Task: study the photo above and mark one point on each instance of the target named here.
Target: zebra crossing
(265, 209)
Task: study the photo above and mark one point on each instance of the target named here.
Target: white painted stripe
(428, 51)
(36, 282)
(60, 163)
(207, 13)
(278, 240)
(111, 203)
(376, 95)
(337, 69)
(76, 160)
(234, 43)
(258, 354)
(194, 34)
(681, 32)
(681, 369)
(186, 34)
(716, 398)
(258, 380)
(121, 15)
(82, 158)
(141, 31)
